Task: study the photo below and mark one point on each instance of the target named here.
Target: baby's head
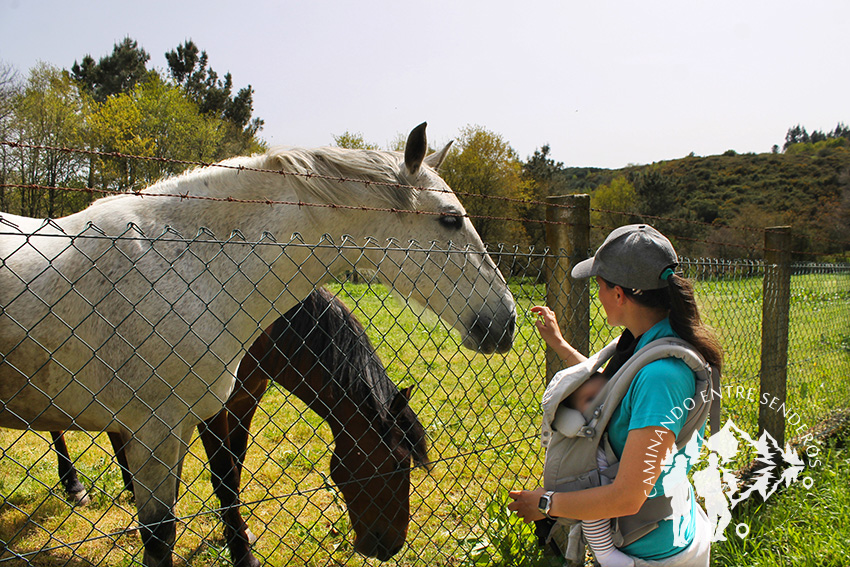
(580, 399)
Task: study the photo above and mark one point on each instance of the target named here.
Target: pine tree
(116, 73)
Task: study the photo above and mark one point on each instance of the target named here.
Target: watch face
(543, 504)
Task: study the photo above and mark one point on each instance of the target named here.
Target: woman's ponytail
(686, 321)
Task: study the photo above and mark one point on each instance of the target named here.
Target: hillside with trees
(716, 205)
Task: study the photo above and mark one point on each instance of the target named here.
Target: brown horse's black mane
(350, 365)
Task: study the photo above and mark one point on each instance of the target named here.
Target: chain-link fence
(334, 455)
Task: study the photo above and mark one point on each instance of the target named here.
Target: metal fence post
(774, 330)
(568, 239)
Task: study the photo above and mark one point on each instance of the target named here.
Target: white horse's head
(427, 248)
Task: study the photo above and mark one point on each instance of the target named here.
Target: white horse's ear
(415, 149)
(436, 159)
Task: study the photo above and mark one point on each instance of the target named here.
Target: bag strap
(629, 529)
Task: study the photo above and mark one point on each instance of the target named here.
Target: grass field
(482, 416)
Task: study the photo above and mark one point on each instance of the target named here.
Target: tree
(482, 167)
(656, 191)
(48, 111)
(799, 135)
(10, 88)
(112, 105)
(736, 239)
(544, 177)
(615, 204)
(354, 141)
(154, 119)
(398, 143)
(795, 135)
(113, 74)
(841, 131)
(190, 70)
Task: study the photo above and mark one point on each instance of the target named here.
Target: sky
(604, 83)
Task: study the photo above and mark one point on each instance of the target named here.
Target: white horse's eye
(455, 222)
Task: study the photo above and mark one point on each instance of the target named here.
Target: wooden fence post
(774, 330)
(569, 243)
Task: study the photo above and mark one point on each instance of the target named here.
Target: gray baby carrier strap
(571, 438)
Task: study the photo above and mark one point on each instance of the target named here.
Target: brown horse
(319, 352)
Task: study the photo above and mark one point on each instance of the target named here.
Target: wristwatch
(545, 503)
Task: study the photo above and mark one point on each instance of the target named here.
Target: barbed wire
(339, 179)
(310, 175)
(181, 196)
(186, 196)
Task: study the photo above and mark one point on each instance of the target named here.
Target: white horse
(104, 328)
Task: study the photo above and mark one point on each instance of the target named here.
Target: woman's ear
(620, 295)
(622, 298)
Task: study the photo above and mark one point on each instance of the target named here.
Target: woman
(639, 291)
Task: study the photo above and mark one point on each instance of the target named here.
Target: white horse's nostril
(488, 335)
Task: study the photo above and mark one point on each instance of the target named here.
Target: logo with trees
(716, 483)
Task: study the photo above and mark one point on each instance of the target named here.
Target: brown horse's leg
(240, 409)
(118, 447)
(67, 473)
(225, 480)
(240, 431)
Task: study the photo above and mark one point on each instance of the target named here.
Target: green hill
(721, 198)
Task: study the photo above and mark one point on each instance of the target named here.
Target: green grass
(482, 416)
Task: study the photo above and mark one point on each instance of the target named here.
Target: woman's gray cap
(633, 256)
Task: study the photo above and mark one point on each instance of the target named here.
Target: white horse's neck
(220, 198)
(220, 180)
(249, 195)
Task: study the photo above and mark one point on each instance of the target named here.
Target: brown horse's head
(371, 466)
(378, 437)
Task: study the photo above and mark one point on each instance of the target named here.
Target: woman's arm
(547, 326)
(639, 468)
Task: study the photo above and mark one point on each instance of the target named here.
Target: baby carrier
(571, 438)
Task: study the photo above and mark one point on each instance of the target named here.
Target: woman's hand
(547, 326)
(525, 504)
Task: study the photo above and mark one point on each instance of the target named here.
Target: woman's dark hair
(678, 299)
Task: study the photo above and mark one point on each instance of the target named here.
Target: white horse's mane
(385, 168)
(384, 171)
